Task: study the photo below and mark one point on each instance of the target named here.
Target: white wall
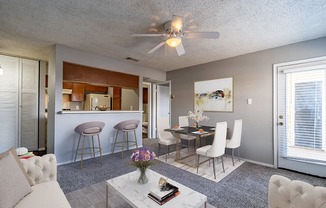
(129, 99)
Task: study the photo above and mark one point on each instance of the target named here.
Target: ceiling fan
(173, 30)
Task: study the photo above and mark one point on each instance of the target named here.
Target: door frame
(154, 116)
(275, 98)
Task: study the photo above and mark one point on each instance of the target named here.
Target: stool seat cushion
(93, 130)
(127, 125)
(92, 127)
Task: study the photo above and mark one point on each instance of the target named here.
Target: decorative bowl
(102, 107)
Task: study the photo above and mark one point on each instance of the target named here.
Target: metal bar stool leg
(82, 154)
(77, 148)
(123, 141)
(135, 139)
(99, 146)
(115, 141)
(127, 140)
(93, 146)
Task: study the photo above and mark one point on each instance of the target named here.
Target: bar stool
(126, 127)
(89, 129)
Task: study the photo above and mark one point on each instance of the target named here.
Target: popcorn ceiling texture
(30, 28)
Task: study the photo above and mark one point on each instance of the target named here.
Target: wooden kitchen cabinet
(145, 95)
(95, 89)
(77, 92)
(116, 102)
(66, 85)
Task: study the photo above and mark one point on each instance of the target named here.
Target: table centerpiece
(142, 158)
(197, 116)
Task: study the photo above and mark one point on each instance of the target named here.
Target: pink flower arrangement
(142, 158)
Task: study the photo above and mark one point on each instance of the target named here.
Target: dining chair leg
(239, 154)
(214, 168)
(166, 154)
(197, 162)
(158, 150)
(222, 164)
(233, 156)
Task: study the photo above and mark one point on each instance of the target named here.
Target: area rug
(247, 186)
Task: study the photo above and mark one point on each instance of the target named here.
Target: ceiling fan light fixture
(173, 42)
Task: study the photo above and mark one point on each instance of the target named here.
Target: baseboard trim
(258, 163)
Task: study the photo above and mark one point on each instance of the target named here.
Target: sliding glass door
(300, 116)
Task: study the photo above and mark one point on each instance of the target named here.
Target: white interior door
(162, 101)
(9, 102)
(29, 104)
(300, 112)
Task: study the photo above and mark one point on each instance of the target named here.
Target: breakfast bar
(66, 121)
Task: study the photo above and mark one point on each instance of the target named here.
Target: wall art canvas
(214, 95)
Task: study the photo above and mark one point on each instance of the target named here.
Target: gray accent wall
(252, 78)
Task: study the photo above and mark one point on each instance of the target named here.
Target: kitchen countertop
(98, 112)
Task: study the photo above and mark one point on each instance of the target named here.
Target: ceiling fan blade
(177, 23)
(212, 35)
(147, 35)
(157, 47)
(180, 49)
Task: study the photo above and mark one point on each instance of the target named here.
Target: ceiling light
(173, 42)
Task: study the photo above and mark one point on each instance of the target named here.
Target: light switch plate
(249, 101)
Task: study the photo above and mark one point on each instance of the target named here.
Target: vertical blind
(305, 115)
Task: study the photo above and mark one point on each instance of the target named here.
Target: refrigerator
(93, 100)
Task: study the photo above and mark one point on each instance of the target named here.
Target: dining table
(200, 135)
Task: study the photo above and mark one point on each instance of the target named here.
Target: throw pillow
(14, 184)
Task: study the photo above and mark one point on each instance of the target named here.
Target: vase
(142, 177)
(197, 125)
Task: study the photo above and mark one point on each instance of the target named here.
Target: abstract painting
(214, 95)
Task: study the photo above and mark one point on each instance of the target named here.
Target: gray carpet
(245, 187)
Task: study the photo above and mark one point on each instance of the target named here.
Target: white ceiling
(30, 28)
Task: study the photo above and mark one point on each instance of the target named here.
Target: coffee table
(127, 187)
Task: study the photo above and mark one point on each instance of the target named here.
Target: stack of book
(161, 197)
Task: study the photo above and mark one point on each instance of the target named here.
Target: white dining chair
(217, 149)
(164, 137)
(235, 141)
(184, 122)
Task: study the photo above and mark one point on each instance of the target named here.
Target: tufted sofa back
(41, 169)
(283, 192)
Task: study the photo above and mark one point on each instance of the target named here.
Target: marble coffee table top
(136, 194)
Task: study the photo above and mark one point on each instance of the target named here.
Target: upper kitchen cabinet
(77, 92)
(19, 91)
(85, 74)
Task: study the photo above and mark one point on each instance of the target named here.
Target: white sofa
(283, 192)
(46, 190)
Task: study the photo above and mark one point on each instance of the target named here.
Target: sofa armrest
(41, 169)
(283, 192)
